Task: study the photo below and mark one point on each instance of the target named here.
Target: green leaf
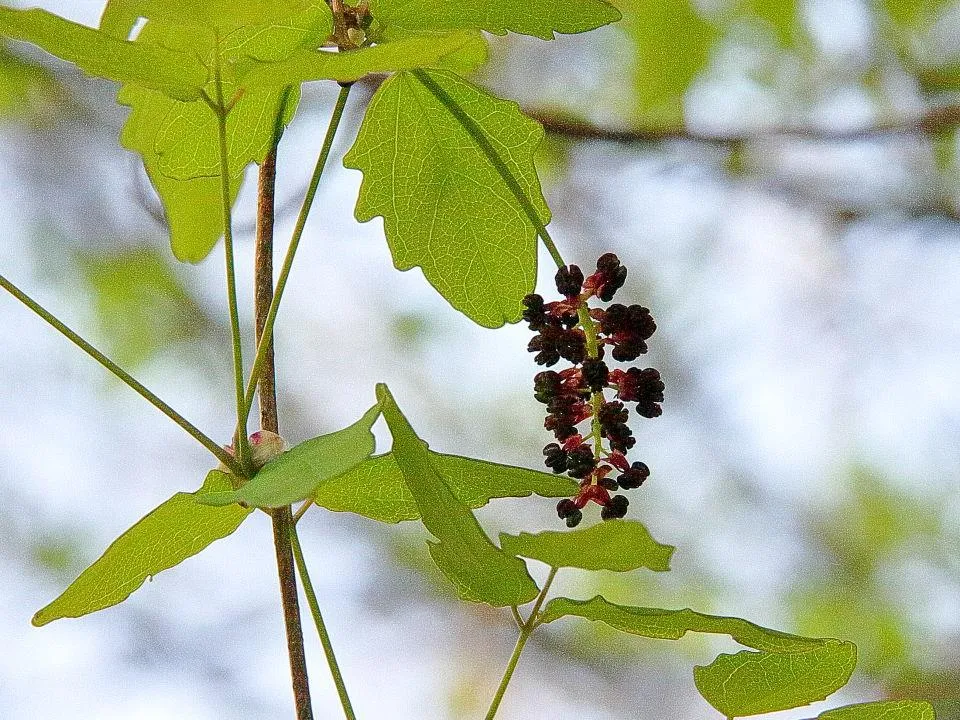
(883, 710)
(28, 91)
(177, 74)
(223, 16)
(673, 44)
(780, 15)
(480, 570)
(465, 51)
(618, 545)
(450, 169)
(376, 489)
(915, 14)
(179, 144)
(674, 624)
(752, 683)
(142, 307)
(295, 474)
(193, 208)
(176, 530)
(534, 17)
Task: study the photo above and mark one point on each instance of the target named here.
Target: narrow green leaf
(673, 43)
(177, 74)
(295, 474)
(465, 50)
(450, 169)
(883, 710)
(752, 683)
(376, 489)
(480, 570)
(176, 530)
(541, 18)
(618, 545)
(674, 624)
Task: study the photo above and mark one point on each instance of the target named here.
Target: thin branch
(221, 454)
(933, 120)
(265, 342)
(281, 517)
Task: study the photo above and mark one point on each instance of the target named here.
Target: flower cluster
(569, 329)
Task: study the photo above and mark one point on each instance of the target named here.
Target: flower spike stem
(221, 454)
(526, 630)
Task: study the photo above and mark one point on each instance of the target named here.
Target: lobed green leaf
(222, 16)
(752, 683)
(295, 474)
(674, 624)
(376, 488)
(176, 530)
(480, 571)
(618, 545)
(541, 18)
(171, 71)
(450, 169)
(883, 710)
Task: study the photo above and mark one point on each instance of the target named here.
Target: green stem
(264, 345)
(480, 137)
(241, 444)
(526, 630)
(321, 626)
(221, 454)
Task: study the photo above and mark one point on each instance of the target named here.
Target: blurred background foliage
(781, 178)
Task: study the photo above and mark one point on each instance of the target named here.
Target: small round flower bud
(534, 314)
(595, 374)
(634, 477)
(546, 385)
(608, 483)
(566, 507)
(616, 508)
(569, 281)
(574, 518)
(555, 458)
(580, 462)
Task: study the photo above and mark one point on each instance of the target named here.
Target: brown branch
(931, 121)
(282, 518)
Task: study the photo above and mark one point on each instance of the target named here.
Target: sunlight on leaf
(445, 164)
(295, 474)
(480, 570)
(752, 683)
(883, 710)
(176, 530)
(376, 489)
(175, 73)
(534, 17)
(463, 51)
(618, 545)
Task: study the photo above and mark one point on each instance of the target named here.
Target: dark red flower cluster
(571, 330)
